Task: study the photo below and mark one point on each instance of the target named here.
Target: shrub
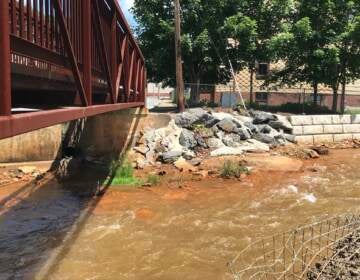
(233, 169)
(294, 108)
(123, 174)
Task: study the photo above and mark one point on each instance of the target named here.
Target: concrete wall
(103, 136)
(325, 128)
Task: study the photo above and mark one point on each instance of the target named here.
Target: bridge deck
(63, 60)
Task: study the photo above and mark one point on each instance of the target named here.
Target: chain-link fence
(304, 253)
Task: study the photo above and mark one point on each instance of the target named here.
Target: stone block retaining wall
(325, 128)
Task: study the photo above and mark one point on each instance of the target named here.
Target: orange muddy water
(165, 233)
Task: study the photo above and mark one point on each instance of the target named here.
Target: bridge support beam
(87, 45)
(5, 65)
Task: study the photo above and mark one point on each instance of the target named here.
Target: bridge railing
(86, 45)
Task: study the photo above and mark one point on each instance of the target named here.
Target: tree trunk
(335, 99)
(251, 85)
(316, 90)
(178, 55)
(195, 91)
(342, 102)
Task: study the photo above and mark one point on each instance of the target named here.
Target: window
(261, 97)
(263, 69)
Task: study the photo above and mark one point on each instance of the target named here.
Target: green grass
(233, 169)
(123, 175)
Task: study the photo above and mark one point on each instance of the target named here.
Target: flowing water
(164, 233)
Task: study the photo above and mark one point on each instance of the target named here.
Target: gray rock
(185, 120)
(244, 133)
(254, 146)
(232, 140)
(253, 128)
(200, 141)
(205, 132)
(215, 129)
(195, 162)
(264, 128)
(227, 151)
(170, 157)
(263, 118)
(191, 117)
(211, 122)
(188, 155)
(289, 137)
(187, 139)
(214, 143)
(281, 123)
(264, 138)
(227, 125)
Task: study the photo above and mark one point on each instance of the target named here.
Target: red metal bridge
(62, 60)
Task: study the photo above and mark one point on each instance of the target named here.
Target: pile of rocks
(197, 132)
(344, 264)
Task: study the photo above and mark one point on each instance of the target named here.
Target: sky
(126, 6)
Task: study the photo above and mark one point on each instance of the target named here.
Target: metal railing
(88, 41)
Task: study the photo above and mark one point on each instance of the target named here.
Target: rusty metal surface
(86, 43)
(26, 122)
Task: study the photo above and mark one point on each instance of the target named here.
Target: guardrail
(85, 44)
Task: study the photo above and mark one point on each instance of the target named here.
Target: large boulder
(191, 117)
(187, 139)
(281, 123)
(227, 125)
(170, 157)
(227, 151)
(231, 140)
(244, 133)
(263, 117)
(253, 128)
(215, 143)
(264, 138)
(200, 141)
(254, 146)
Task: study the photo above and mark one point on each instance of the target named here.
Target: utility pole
(179, 70)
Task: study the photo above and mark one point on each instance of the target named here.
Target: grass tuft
(123, 175)
(233, 169)
(153, 179)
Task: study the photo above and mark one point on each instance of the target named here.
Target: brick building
(278, 96)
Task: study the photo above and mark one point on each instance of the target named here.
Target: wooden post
(87, 43)
(5, 62)
(179, 70)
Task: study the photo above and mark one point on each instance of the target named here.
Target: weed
(123, 174)
(153, 179)
(233, 169)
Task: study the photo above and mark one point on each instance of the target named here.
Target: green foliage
(201, 44)
(293, 108)
(233, 169)
(320, 46)
(123, 174)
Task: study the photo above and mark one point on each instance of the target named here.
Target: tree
(202, 47)
(319, 47)
(252, 28)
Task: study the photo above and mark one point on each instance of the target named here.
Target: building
(278, 96)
